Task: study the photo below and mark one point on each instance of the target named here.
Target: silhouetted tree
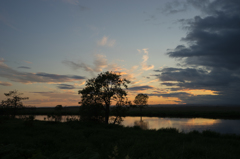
(141, 101)
(100, 91)
(120, 110)
(58, 108)
(13, 102)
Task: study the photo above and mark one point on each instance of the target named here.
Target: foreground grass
(38, 139)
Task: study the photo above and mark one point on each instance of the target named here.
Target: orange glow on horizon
(202, 121)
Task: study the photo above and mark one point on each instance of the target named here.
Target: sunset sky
(176, 51)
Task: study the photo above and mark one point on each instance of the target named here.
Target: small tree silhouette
(13, 102)
(141, 101)
(100, 91)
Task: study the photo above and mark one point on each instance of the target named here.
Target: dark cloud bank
(211, 60)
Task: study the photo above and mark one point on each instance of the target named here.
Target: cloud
(28, 62)
(178, 6)
(168, 84)
(174, 7)
(145, 58)
(106, 42)
(2, 60)
(65, 86)
(41, 77)
(166, 95)
(5, 83)
(189, 78)
(80, 84)
(24, 67)
(52, 98)
(100, 62)
(57, 95)
(213, 39)
(211, 56)
(140, 88)
(76, 66)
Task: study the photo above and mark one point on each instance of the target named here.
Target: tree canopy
(102, 90)
(141, 100)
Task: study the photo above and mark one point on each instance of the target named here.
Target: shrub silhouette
(12, 103)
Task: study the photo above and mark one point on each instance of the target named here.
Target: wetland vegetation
(39, 139)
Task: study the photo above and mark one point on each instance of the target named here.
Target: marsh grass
(74, 139)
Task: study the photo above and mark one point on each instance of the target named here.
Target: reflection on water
(142, 124)
(188, 124)
(182, 124)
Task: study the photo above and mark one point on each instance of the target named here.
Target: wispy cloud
(145, 57)
(65, 86)
(57, 95)
(174, 7)
(24, 67)
(100, 63)
(5, 84)
(52, 98)
(140, 88)
(40, 77)
(28, 62)
(76, 66)
(176, 94)
(105, 41)
(79, 84)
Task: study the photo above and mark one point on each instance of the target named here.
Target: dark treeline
(214, 112)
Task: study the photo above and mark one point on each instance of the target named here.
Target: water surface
(223, 126)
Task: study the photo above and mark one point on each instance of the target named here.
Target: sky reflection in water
(182, 124)
(188, 124)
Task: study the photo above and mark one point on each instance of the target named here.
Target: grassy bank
(39, 139)
(220, 112)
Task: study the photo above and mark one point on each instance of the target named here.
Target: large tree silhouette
(102, 90)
